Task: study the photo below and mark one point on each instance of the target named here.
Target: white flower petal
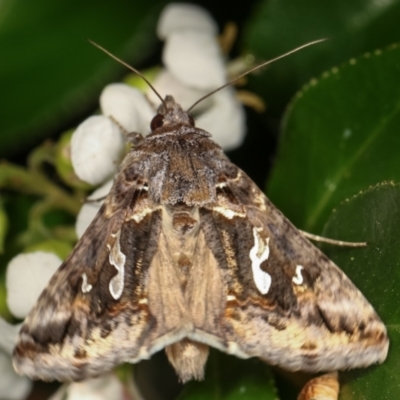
(27, 275)
(8, 336)
(195, 59)
(178, 16)
(225, 120)
(89, 210)
(103, 388)
(12, 386)
(96, 148)
(128, 106)
(165, 83)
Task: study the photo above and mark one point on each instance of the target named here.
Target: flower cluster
(193, 66)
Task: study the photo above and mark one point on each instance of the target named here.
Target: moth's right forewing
(285, 301)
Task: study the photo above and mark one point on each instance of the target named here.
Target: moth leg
(96, 200)
(324, 387)
(134, 138)
(335, 242)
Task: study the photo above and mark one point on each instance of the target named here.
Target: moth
(186, 253)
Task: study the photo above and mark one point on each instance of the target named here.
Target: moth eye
(191, 120)
(157, 122)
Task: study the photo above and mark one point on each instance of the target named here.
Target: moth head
(170, 113)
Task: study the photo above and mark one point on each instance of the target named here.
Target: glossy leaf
(277, 26)
(50, 74)
(229, 378)
(372, 215)
(340, 135)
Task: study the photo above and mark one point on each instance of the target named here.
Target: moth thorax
(188, 358)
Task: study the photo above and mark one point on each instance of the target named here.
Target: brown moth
(186, 253)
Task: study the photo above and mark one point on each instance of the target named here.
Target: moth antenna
(254, 69)
(129, 67)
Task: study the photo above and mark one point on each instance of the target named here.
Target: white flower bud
(103, 388)
(127, 106)
(180, 16)
(225, 120)
(185, 96)
(89, 210)
(96, 149)
(195, 59)
(27, 275)
(12, 386)
(8, 336)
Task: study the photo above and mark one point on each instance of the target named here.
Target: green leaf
(229, 378)
(50, 74)
(277, 26)
(340, 136)
(372, 216)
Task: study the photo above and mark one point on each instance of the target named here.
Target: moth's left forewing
(286, 302)
(94, 312)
